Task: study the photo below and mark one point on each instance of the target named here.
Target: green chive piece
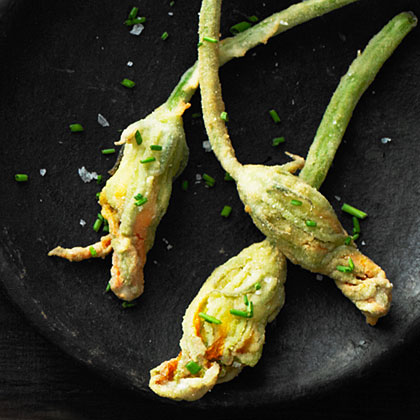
(226, 211)
(296, 202)
(353, 211)
(138, 196)
(128, 83)
(356, 236)
(93, 251)
(199, 44)
(274, 115)
(138, 137)
(351, 264)
(155, 147)
(135, 21)
(98, 195)
(344, 268)
(76, 128)
(257, 285)
(239, 27)
(253, 19)
(184, 185)
(237, 312)
(224, 116)
(99, 179)
(100, 217)
(171, 3)
(210, 181)
(193, 367)
(209, 318)
(108, 151)
(246, 301)
(141, 201)
(148, 160)
(227, 177)
(278, 140)
(356, 225)
(97, 225)
(348, 240)
(21, 177)
(208, 39)
(310, 223)
(108, 288)
(106, 226)
(133, 13)
(164, 35)
(128, 305)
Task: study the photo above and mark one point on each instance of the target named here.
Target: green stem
(353, 84)
(260, 33)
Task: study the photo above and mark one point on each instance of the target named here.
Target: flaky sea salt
(86, 175)
(42, 172)
(82, 222)
(385, 140)
(102, 121)
(137, 29)
(130, 63)
(207, 146)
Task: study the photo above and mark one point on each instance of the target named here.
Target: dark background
(50, 70)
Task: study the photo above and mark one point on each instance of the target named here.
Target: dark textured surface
(64, 66)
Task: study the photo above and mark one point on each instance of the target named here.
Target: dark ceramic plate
(62, 62)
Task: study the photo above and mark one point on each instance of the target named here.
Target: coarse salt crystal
(130, 63)
(170, 13)
(82, 222)
(102, 121)
(137, 29)
(86, 175)
(337, 197)
(207, 146)
(42, 171)
(385, 140)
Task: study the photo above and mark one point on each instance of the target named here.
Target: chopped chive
(224, 116)
(98, 195)
(356, 225)
(128, 83)
(138, 137)
(106, 226)
(310, 223)
(108, 151)
(148, 160)
(100, 217)
(356, 236)
(253, 19)
(237, 312)
(351, 264)
(164, 35)
(21, 177)
(353, 211)
(97, 225)
(76, 128)
(226, 211)
(348, 240)
(296, 202)
(209, 318)
(278, 140)
(138, 196)
(171, 3)
(227, 177)
(108, 288)
(344, 268)
(196, 115)
(128, 305)
(99, 179)
(274, 115)
(199, 44)
(92, 251)
(208, 39)
(193, 367)
(141, 201)
(246, 301)
(184, 185)
(257, 285)
(155, 147)
(135, 21)
(210, 181)
(239, 27)
(133, 13)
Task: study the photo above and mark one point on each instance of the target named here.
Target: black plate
(62, 62)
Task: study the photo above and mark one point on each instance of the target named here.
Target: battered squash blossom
(239, 298)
